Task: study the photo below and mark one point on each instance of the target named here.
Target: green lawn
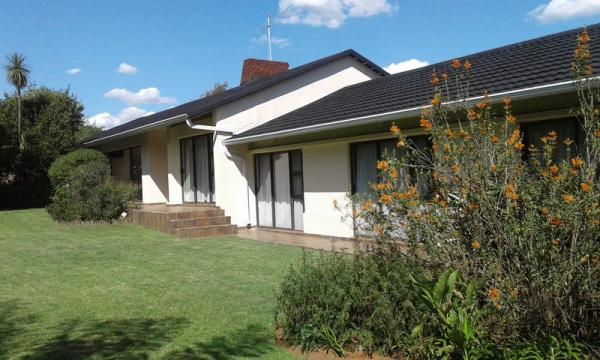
(126, 292)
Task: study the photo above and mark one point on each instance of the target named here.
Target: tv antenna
(269, 37)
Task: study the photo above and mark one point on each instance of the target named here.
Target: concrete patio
(298, 239)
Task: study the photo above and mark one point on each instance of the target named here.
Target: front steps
(185, 221)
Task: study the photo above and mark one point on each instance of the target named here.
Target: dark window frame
(291, 180)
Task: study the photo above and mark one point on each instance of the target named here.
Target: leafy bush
(336, 301)
(83, 189)
(526, 227)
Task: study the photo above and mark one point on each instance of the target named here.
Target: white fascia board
(160, 123)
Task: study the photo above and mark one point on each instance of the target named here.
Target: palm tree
(16, 74)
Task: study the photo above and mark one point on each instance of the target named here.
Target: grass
(126, 292)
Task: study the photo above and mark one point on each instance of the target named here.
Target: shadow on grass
(111, 339)
(12, 324)
(251, 342)
(135, 339)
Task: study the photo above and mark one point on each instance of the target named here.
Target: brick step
(197, 214)
(203, 231)
(199, 222)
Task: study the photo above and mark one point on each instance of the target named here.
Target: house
(277, 151)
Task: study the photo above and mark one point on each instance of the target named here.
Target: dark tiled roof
(531, 63)
(204, 106)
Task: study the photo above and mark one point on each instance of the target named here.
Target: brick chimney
(256, 69)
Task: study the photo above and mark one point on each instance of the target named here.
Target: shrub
(526, 227)
(83, 189)
(354, 302)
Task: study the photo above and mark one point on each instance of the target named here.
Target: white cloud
(330, 13)
(405, 66)
(278, 42)
(106, 120)
(149, 95)
(74, 71)
(557, 10)
(125, 68)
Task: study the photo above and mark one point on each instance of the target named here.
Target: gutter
(525, 93)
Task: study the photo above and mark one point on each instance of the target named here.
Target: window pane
(365, 171)
(264, 195)
(283, 207)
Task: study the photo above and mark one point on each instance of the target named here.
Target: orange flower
(568, 198)
(585, 187)
(473, 206)
(445, 76)
(437, 100)
(555, 222)
(449, 133)
(568, 142)
(597, 133)
(510, 192)
(434, 79)
(395, 130)
(455, 63)
(576, 162)
(494, 139)
(519, 146)
(472, 115)
(426, 125)
(514, 137)
(401, 143)
(475, 245)
(553, 170)
(385, 199)
(584, 38)
(468, 65)
(367, 205)
(482, 105)
(382, 165)
(494, 294)
(544, 211)
(455, 169)
(394, 173)
(507, 102)
(493, 168)
(511, 119)
(552, 135)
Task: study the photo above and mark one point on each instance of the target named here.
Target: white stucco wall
(326, 180)
(154, 167)
(230, 186)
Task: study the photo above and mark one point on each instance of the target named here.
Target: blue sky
(175, 50)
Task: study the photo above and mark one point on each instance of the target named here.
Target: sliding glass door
(280, 190)
(197, 169)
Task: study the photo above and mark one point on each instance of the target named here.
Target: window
(364, 164)
(280, 190)
(565, 128)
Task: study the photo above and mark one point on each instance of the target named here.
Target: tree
(52, 125)
(87, 131)
(219, 88)
(17, 72)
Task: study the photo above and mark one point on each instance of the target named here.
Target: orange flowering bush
(527, 227)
